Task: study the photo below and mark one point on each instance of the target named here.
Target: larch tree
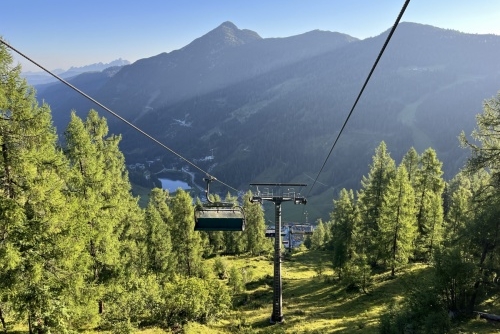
(459, 197)
(429, 187)
(370, 198)
(186, 242)
(344, 217)
(486, 145)
(318, 236)
(484, 228)
(158, 241)
(411, 161)
(38, 249)
(107, 211)
(398, 221)
(255, 230)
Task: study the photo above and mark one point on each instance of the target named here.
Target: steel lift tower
(277, 198)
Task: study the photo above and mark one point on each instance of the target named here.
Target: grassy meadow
(313, 300)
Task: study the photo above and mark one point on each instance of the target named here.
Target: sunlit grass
(314, 301)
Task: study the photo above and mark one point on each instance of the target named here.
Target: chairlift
(302, 229)
(218, 216)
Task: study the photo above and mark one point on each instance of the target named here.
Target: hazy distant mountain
(270, 109)
(39, 78)
(224, 56)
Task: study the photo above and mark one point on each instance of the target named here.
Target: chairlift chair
(218, 216)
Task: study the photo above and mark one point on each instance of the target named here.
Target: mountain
(270, 109)
(40, 78)
(224, 56)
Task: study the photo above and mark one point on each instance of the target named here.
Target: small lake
(173, 185)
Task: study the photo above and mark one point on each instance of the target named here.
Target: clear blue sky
(65, 33)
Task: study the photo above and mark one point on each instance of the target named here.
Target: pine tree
(397, 220)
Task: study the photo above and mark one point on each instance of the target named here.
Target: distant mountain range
(269, 109)
(39, 78)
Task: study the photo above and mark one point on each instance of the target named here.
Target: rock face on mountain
(269, 109)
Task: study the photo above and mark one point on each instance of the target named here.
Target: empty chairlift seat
(302, 229)
(216, 217)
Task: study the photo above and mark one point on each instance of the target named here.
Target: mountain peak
(229, 25)
(225, 35)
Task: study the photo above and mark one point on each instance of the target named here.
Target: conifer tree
(158, 220)
(107, 210)
(38, 250)
(397, 220)
(318, 236)
(411, 161)
(429, 186)
(382, 170)
(255, 230)
(459, 194)
(158, 242)
(486, 144)
(159, 199)
(186, 243)
(344, 217)
(483, 230)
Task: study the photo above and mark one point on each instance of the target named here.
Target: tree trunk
(30, 328)
(7, 182)
(472, 300)
(3, 321)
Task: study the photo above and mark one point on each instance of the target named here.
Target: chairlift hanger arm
(207, 190)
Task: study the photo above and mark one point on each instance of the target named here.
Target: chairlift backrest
(302, 229)
(219, 218)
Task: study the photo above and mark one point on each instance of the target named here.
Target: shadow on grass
(266, 281)
(322, 304)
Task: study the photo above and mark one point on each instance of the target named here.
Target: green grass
(318, 303)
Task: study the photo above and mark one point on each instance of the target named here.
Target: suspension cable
(362, 90)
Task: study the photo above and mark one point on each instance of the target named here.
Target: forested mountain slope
(270, 109)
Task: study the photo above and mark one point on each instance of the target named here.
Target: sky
(59, 34)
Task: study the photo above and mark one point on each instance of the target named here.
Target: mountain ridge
(269, 109)
(40, 78)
